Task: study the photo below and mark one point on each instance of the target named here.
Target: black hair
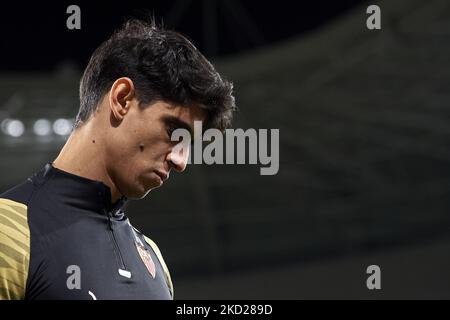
(163, 65)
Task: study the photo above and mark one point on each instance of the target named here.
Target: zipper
(116, 246)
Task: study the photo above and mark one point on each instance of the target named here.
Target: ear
(120, 96)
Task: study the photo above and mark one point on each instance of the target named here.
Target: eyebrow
(177, 122)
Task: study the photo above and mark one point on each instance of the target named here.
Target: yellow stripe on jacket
(14, 249)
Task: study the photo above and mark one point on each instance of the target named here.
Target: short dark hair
(163, 65)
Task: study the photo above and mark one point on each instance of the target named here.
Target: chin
(140, 194)
(141, 190)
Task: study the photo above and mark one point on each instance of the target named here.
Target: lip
(164, 176)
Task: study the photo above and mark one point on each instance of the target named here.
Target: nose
(178, 156)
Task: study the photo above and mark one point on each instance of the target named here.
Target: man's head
(139, 86)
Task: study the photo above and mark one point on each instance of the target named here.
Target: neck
(83, 156)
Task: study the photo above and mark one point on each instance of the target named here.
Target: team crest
(146, 258)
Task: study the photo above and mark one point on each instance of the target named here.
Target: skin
(125, 146)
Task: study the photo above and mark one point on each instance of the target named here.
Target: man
(63, 232)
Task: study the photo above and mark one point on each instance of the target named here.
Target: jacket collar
(80, 191)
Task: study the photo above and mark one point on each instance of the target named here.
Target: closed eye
(173, 123)
(170, 129)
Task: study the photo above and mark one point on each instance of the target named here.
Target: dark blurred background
(364, 141)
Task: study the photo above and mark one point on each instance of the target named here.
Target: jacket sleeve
(14, 249)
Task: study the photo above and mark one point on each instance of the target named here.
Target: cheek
(136, 151)
(152, 156)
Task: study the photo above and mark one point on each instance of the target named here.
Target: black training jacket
(62, 238)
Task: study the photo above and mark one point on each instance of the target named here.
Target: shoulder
(20, 193)
(14, 248)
